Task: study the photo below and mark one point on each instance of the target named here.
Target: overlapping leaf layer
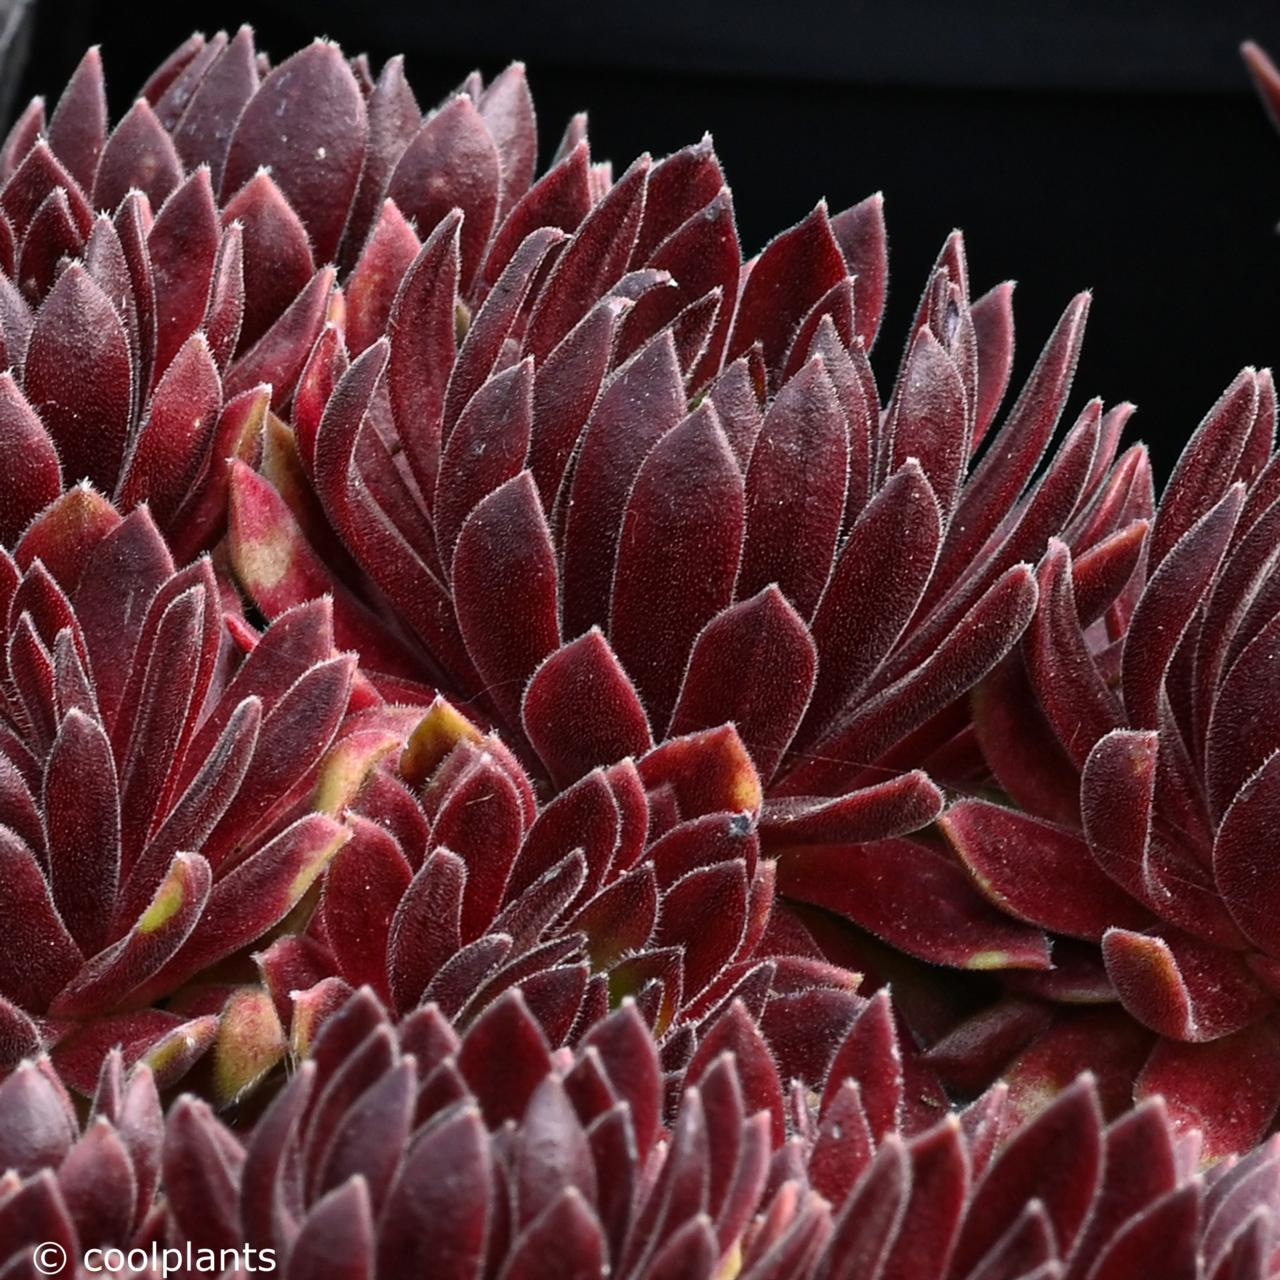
(496, 690)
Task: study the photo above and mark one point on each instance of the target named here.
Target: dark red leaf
(79, 371)
(307, 124)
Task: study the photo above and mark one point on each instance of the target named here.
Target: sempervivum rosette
(573, 524)
(457, 885)
(1147, 770)
(158, 760)
(223, 174)
(397, 1151)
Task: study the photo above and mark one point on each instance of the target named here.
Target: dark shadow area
(1111, 146)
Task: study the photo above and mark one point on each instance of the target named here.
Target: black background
(1107, 145)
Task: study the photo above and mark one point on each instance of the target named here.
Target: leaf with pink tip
(892, 887)
(591, 264)
(277, 253)
(79, 372)
(183, 248)
(28, 461)
(888, 556)
(580, 710)
(762, 634)
(1228, 1089)
(860, 233)
(42, 956)
(644, 400)
(307, 123)
(1168, 604)
(796, 479)
(139, 155)
(78, 128)
(1181, 987)
(787, 279)
(423, 349)
(691, 471)
(893, 808)
(169, 447)
(1021, 862)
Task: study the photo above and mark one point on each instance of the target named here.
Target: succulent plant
(158, 759)
(593, 537)
(394, 1150)
(479, 655)
(1141, 753)
(456, 886)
